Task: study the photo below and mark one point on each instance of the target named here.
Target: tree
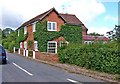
(6, 32)
(95, 34)
(115, 34)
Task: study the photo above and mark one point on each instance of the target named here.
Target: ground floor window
(52, 47)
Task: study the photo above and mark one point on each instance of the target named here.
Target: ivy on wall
(43, 36)
(71, 33)
(21, 36)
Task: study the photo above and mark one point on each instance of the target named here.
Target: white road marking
(73, 81)
(22, 69)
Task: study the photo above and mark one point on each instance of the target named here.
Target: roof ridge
(66, 14)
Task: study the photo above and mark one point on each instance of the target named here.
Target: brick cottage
(54, 22)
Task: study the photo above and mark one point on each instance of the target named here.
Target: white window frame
(52, 48)
(34, 27)
(25, 30)
(61, 42)
(25, 43)
(18, 32)
(20, 44)
(52, 26)
(35, 45)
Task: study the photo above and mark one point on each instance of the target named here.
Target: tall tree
(6, 32)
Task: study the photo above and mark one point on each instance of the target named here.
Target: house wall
(30, 35)
(46, 57)
(84, 32)
(55, 18)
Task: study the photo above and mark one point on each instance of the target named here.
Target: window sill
(51, 30)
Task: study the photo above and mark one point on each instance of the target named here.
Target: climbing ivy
(71, 33)
(43, 36)
(21, 36)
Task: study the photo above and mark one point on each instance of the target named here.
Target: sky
(99, 16)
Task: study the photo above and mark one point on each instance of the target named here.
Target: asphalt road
(21, 69)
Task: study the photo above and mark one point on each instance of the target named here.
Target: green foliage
(21, 36)
(7, 42)
(11, 46)
(43, 36)
(70, 33)
(95, 34)
(30, 53)
(6, 45)
(30, 43)
(101, 57)
(6, 32)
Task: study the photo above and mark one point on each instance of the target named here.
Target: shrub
(101, 57)
(30, 53)
(30, 43)
(11, 46)
(6, 45)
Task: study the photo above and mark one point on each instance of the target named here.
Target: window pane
(49, 26)
(53, 26)
(52, 50)
(51, 45)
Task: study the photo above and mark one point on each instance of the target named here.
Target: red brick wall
(30, 36)
(46, 57)
(84, 33)
(84, 30)
(58, 40)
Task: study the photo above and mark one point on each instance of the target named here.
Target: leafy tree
(115, 34)
(6, 32)
(95, 34)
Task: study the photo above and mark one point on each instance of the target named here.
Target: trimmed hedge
(105, 58)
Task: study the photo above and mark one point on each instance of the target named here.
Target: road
(21, 69)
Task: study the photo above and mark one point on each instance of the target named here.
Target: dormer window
(25, 30)
(51, 26)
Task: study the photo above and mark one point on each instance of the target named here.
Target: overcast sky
(98, 15)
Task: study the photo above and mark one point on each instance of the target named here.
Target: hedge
(101, 57)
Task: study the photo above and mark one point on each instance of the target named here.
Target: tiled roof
(88, 38)
(34, 19)
(67, 18)
(71, 19)
(97, 38)
(102, 38)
